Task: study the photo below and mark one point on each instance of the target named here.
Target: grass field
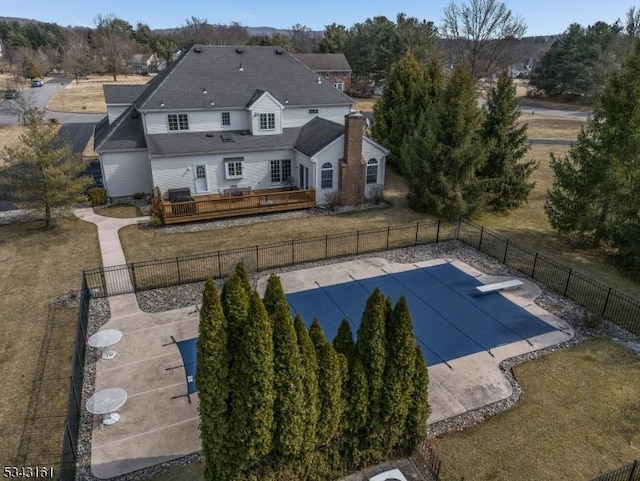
(38, 266)
(9, 137)
(579, 417)
(87, 96)
(543, 127)
(120, 211)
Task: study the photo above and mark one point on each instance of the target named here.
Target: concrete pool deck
(155, 427)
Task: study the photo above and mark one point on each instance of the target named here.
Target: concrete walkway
(113, 255)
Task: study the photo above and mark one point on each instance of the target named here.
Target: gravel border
(186, 295)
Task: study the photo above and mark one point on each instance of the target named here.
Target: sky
(543, 17)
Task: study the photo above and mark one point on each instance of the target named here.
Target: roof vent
(135, 115)
(239, 50)
(197, 49)
(240, 68)
(228, 137)
(208, 134)
(278, 51)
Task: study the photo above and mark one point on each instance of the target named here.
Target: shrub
(97, 196)
(332, 200)
(156, 221)
(377, 195)
(139, 195)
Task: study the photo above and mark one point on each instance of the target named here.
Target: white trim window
(234, 168)
(339, 85)
(372, 171)
(314, 111)
(226, 119)
(267, 121)
(280, 171)
(178, 122)
(326, 176)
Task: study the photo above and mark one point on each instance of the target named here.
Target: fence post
(293, 253)
(178, 269)
(417, 227)
(480, 243)
(388, 231)
(535, 261)
(566, 287)
(458, 229)
(606, 302)
(104, 282)
(219, 265)
(326, 246)
(438, 232)
(506, 250)
(357, 242)
(257, 259)
(134, 281)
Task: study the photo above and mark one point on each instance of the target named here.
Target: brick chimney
(352, 166)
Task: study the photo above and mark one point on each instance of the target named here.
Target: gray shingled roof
(126, 133)
(324, 62)
(316, 135)
(231, 75)
(122, 94)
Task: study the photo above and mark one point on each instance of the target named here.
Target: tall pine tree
(212, 383)
(416, 423)
(399, 374)
(330, 379)
(310, 383)
(251, 400)
(506, 174)
(396, 113)
(596, 193)
(445, 151)
(289, 400)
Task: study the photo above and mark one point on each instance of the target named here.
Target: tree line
(279, 401)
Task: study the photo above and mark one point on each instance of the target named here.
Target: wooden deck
(216, 206)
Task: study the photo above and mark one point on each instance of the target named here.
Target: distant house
(331, 66)
(251, 124)
(143, 63)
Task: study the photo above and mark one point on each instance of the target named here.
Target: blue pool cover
(450, 319)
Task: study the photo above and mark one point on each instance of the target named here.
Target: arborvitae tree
(289, 403)
(235, 303)
(596, 193)
(310, 384)
(416, 423)
(211, 379)
(371, 347)
(399, 374)
(356, 395)
(42, 172)
(396, 113)
(343, 342)
(329, 386)
(251, 400)
(443, 159)
(508, 176)
(241, 272)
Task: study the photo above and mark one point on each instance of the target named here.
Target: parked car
(11, 94)
(37, 83)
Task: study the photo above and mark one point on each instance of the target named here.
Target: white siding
(179, 171)
(297, 117)
(201, 121)
(265, 104)
(114, 111)
(126, 173)
(332, 154)
(371, 151)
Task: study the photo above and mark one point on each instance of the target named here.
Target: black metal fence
(69, 453)
(630, 472)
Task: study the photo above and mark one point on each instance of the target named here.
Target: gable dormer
(266, 114)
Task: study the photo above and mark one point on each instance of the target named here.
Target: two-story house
(226, 120)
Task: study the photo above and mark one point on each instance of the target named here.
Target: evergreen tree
(343, 342)
(310, 384)
(252, 396)
(596, 193)
(235, 303)
(356, 396)
(289, 401)
(329, 386)
(508, 176)
(371, 347)
(42, 172)
(416, 422)
(211, 380)
(444, 156)
(396, 113)
(399, 374)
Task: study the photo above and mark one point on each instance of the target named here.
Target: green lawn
(579, 417)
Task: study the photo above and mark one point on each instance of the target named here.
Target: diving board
(500, 286)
